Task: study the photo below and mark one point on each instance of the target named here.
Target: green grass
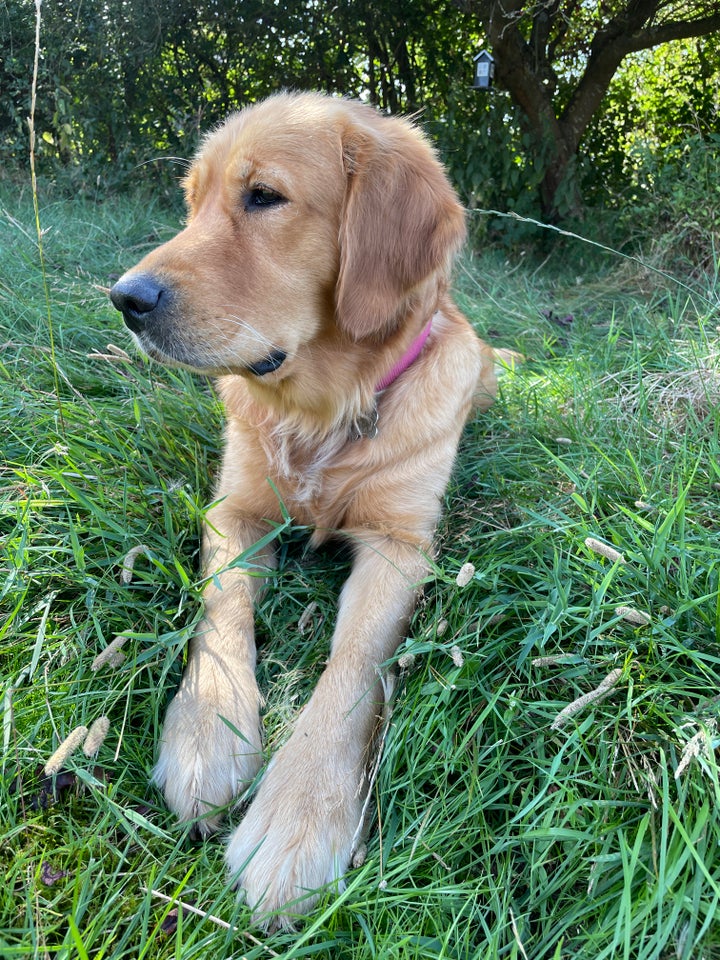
(495, 835)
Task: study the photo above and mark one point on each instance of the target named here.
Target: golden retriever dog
(312, 280)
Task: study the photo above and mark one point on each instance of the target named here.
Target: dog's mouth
(175, 355)
(268, 364)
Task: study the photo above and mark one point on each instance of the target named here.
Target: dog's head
(311, 220)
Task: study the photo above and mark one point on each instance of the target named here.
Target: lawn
(507, 823)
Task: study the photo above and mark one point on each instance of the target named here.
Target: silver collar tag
(365, 425)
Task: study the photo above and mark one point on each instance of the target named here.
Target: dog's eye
(262, 197)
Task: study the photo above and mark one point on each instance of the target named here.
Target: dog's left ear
(402, 223)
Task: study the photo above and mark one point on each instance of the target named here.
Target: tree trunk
(516, 69)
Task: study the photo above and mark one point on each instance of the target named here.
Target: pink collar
(365, 425)
(407, 359)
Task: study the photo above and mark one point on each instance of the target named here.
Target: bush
(675, 201)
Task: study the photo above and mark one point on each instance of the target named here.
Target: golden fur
(322, 232)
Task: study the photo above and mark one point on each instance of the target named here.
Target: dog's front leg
(211, 747)
(298, 832)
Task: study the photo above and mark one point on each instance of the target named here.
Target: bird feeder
(484, 70)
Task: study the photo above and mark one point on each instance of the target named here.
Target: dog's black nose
(270, 363)
(136, 297)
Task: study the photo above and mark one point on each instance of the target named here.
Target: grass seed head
(551, 661)
(610, 553)
(692, 749)
(406, 662)
(598, 693)
(306, 617)
(119, 353)
(637, 617)
(467, 572)
(457, 658)
(128, 564)
(96, 735)
(111, 656)
(69, 745)
(701, 744)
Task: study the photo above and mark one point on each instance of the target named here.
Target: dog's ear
(401, 224)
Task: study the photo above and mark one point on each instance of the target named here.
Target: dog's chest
(317, 480)
(301, 468)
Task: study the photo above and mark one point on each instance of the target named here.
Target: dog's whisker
(180, 161)
(257, 334)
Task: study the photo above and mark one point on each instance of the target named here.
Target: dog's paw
(296, 837)
(210, 753)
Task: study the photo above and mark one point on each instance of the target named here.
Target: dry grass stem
(306, 617)
(598, 693)
(690, 391)
(189, 908)
(516, 935)
(436, 856)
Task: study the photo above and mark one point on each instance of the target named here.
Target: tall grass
(498, 831)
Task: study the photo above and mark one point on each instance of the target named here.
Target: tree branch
(544, 17)
(673, 30)
(563, 27)
(612, 43)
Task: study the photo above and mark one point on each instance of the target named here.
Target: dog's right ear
(401, 223)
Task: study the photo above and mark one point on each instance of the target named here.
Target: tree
(134, 80)
(130, 74)
(557, 58)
